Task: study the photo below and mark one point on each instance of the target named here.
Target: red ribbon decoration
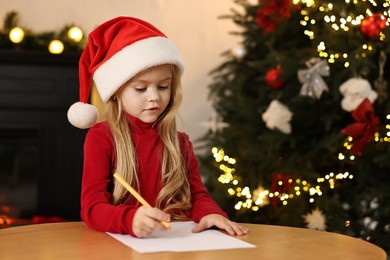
(364, 129)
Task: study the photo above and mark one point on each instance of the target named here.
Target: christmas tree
(302, 126)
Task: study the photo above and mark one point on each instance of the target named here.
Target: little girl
(137, 71)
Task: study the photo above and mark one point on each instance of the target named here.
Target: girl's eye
(140, 89)
(162, 87)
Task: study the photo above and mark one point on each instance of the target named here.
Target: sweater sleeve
(99, 162)
(202, 202)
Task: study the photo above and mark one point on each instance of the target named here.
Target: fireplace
(19, 171)
(40, 152)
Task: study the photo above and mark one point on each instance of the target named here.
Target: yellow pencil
(136, 195)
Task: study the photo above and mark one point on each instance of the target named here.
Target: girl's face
(147, 94)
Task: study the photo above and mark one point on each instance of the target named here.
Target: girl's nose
(153, 95)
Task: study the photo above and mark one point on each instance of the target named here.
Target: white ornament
(355, 90)
(374, 204)
(278, 116)
(346, 206)
(370, 223)
(215, 124)
(315, 220)
(239, 52)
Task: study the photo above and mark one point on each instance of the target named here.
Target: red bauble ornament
(274, 78)
(371, 26)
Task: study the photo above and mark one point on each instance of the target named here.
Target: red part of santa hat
(116, 51)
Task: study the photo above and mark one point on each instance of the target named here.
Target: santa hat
(116, 51)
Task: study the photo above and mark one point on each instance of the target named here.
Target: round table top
(74, 240)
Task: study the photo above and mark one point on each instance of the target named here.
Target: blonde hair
(174, 197)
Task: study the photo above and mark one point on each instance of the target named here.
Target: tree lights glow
(342, 21)
(260, 197)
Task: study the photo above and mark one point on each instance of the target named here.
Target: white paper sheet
(181, 239)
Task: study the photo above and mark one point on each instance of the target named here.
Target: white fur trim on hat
(82, 115)
(132, 59)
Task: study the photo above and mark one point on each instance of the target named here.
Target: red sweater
(99, 164)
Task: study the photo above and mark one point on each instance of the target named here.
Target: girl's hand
(147, 219)
(221, 222)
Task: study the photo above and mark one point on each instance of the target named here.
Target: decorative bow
(311, 78)
(364, 129)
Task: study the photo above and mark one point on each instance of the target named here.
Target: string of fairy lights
(340, 21)
(386, 138)
(255, 199)
(260, 197)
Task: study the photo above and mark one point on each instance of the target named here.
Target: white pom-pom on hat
(82, 115)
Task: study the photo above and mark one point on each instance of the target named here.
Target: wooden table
(74, 240)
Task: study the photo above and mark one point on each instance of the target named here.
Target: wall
(194, 25)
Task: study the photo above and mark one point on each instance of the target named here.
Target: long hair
(174, 197)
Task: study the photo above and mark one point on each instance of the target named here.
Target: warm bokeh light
(16, 35)
(56, 47)
(260, 197)
(75, 33)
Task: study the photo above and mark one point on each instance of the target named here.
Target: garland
(15, 37)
